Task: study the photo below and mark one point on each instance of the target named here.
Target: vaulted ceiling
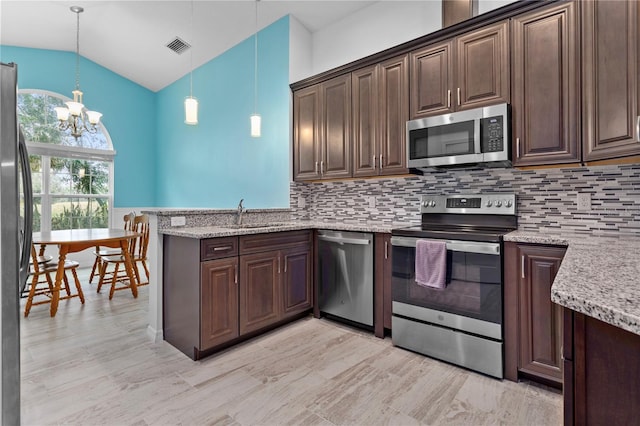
(130, 37)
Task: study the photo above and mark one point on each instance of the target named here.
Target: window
(72, 179)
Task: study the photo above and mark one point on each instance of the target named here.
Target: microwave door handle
(476, 136)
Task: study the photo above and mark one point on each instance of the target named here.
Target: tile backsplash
(547, 198)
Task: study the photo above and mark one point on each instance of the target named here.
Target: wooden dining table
(75, 240)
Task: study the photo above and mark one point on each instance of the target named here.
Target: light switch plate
(372, 202)
(302, 203)
(584, 201)
(178, 221)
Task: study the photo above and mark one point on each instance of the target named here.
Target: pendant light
(256, 120)
(191, 103)
(75, 117)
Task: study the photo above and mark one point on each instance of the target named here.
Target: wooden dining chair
(105, 251)
(42, 281)
(138, 253)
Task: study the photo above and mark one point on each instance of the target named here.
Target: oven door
(472, 299)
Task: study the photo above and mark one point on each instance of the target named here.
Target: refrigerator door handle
(26, 228)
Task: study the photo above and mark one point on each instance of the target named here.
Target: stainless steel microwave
(480, 135)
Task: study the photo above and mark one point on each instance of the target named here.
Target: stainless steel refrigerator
(16, 211)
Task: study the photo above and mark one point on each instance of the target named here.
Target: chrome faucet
(239, 213)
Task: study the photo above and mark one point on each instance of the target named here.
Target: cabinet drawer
(217, 248)
(273, 241)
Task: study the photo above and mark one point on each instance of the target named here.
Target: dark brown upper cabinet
(322, 132)
(470, 71)
(455, 11)
(546, 91)
(380, 110)
(611, 97)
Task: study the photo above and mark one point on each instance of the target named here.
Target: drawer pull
(522, 265)
(222, 248)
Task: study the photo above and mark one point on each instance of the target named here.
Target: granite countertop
(197, 211)
(599, 275)
(226, 231)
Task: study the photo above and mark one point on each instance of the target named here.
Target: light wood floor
(93, 365)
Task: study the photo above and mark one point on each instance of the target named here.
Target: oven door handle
(462, 246)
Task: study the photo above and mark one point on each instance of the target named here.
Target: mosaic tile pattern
(546, 198)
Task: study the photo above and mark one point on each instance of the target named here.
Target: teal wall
(162, 162)
(129, 113)
(216, 163)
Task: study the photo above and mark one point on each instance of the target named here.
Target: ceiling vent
(178, 45)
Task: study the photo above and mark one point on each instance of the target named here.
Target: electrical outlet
(372, 202)
(584, 201)
(302, 203)
(178, 221)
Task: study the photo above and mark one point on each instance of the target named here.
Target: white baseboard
(156, 336)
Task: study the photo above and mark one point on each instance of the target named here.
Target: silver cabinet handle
(222, 248)
(284, 261)
(386, 250)
(380, 161)
(517, 147)
(278, 263)
(322, 168)
(638, 129)
(316, 167)
(458, 96)
(522, 265)
(343, 240)
(374, 161)
(235, 273)
(449, 98)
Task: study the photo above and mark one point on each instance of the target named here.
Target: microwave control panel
(492, 129)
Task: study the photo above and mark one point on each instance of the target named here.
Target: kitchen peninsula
(598, 284)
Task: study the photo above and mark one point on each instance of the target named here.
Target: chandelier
(74, 117)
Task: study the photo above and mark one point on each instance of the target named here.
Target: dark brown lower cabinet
(259, 291)
(382, 284)
(218, 302)
(602, 372)
(533, 323)
(219, 291)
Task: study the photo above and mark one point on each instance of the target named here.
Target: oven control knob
(425, 203)
(489, 203)
(498, 203)
(432, 203)
(508, 203)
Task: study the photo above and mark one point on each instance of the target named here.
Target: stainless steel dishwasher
(345, 275)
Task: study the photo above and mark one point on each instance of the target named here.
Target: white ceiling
(130, 37)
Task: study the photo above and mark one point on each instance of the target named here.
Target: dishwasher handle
(343, 240)
(462, 246)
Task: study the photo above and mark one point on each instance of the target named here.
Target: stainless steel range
(462, 322)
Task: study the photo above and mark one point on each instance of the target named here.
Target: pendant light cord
(191, 56)
(255, 65)
(78, 50)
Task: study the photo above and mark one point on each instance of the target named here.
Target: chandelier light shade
(75, 117)
(191, 103)
(256, 120)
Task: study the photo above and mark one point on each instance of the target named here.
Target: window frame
(46, 151)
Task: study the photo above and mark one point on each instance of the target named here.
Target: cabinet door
(218, 302)
(545, 87)
(365, 118)
(455, 11)
(306, 138)
(335, 134)
(382, 284)
(482, 67)
(610, 37)
(431, 80)
(540, 319)
(394, 113)
(296, 280)
(259, 291)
